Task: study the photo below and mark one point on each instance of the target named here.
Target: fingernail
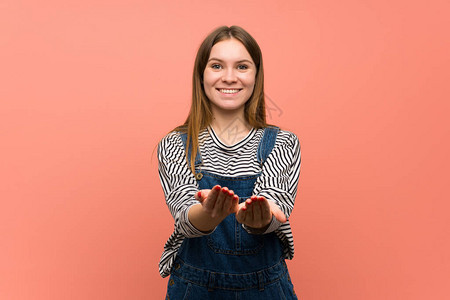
(217, 187)
(199, 194)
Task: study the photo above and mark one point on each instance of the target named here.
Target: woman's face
(229, 76)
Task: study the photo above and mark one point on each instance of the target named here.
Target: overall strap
(198, 158)
(267, 142)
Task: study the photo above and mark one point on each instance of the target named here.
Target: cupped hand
(257, 212)
(218, 202)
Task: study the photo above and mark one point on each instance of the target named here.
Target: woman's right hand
(215, 205)
(218, 202)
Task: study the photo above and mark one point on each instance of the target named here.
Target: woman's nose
(229, 76)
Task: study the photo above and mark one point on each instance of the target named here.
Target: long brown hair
(200, 114)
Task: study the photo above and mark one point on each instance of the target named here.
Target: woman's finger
(257, 214)
(266, 214)
(249, 203)
(227, 202)
(234, 204)
(218, 205)
(241, 213)
(210, 201)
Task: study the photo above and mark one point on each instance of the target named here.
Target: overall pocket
(230, 238)
(177, 288)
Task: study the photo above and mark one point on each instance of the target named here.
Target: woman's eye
(243, 67)
(215, 66)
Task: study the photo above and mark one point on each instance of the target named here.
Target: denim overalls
(230, 263)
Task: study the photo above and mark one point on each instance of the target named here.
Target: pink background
(88, 88)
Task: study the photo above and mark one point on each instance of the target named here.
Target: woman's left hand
(257, 212)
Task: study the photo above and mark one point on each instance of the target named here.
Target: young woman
(230, 181)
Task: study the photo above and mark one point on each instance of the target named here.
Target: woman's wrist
(255, 230)
(201, 221)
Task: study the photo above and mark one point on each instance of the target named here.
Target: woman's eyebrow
(239, 61)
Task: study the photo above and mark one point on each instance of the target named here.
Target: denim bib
(230, 258)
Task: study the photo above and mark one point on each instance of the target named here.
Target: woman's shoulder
(286, 137)
(171, 139)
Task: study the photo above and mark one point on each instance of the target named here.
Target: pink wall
(87, 89)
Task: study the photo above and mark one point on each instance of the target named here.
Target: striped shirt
(278, 181)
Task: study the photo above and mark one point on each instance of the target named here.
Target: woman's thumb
(201, 195)
(277, 213)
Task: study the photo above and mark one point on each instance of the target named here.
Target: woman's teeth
(228, 91)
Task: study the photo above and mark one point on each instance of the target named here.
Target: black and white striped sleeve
(280, 174)
(178, 183)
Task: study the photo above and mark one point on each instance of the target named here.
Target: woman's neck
(230, 127)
